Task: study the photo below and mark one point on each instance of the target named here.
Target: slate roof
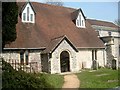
(102, 23)
(51, 22)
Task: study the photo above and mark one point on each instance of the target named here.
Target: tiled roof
(55, 42)
(102, 23)
(51, 22)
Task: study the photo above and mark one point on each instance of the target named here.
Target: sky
(106, 10)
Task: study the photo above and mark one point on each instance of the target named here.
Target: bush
(19, 79)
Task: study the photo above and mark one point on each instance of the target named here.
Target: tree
(9, 21)
(55, 2)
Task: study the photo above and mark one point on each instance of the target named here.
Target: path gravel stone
(71, 81)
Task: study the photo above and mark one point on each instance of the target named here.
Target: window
(79, 20)
(94, 59)
(94, 54)
(22, 57)
(26, 57)
(24, 16)
(27, 13)
(82, 23)
(109, 33)
(31, 16)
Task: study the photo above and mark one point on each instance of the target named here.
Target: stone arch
(65, 61)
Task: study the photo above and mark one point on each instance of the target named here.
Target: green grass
(55, 80)
(19, 79)
(102, 78)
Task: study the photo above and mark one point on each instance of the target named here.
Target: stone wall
(34, 57)
(55, 60)
(13, 55)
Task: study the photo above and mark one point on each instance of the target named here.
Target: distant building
(110, 34)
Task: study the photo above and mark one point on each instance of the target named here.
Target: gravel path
(71, 81)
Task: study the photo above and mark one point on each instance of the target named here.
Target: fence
(31, 67)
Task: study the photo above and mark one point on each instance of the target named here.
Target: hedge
(12, 79)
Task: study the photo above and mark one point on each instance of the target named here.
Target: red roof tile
(53, 21)
(55, 42)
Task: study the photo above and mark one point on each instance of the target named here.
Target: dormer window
(78, 18)
(28, 14)
(80, 21)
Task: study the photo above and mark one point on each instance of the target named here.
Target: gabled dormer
(79, 18)
(28, 13)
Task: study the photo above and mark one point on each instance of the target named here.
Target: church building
(54, 39)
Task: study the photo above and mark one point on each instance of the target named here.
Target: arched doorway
(114, 64)
(64, 61)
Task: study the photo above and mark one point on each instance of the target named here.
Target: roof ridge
(54, 5)
(101, 20)
(58, 37)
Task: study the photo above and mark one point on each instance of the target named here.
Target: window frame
(77, 21)
(28, 13)
(94, 54)
(21, 57)
(80, 20)
(31, 17)
(26, 57)
(109, 33)
(24, 16)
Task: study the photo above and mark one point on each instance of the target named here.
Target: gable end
(69, 42)
(79, 18)
(28, 13)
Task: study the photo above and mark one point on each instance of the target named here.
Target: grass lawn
(55, 80)
(102, 78)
